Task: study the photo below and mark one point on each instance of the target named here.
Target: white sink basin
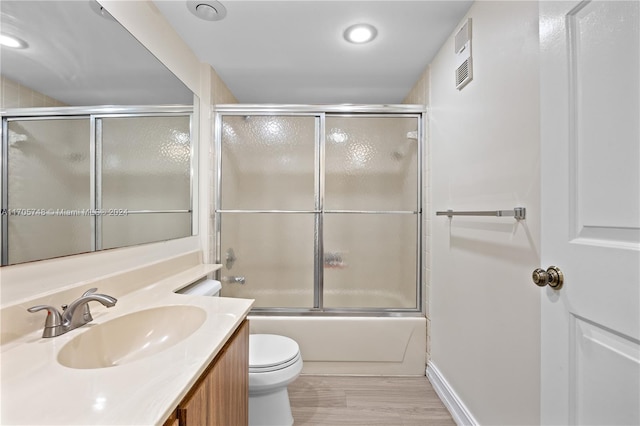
(131, 337)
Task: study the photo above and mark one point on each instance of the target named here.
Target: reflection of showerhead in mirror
(15, 137)
(404, 148)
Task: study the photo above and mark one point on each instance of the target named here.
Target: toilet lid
(268, 352)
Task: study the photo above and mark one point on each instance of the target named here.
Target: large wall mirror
(99, 138)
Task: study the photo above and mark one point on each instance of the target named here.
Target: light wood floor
(388, 401)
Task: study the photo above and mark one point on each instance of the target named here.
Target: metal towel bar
(519, 213)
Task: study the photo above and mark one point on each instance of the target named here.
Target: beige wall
(485, 155)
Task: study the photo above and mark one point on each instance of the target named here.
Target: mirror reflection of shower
(141, 173)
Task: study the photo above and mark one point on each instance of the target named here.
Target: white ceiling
(294, 52)
(80, 58)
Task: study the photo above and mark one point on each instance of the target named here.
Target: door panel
(145, 166)
(590, 94)
(604, 98)
(604, 360)
(371, 163)
(268, 162)
(146, 163)
(355, 248)
(275, 256)
(49, 166)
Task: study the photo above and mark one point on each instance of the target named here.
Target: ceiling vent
(464, 63)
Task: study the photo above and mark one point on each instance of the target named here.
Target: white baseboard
(450, 399)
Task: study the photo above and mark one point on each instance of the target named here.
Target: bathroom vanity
(220, 397)
(155, 358)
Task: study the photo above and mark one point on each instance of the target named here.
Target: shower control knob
(553, 276)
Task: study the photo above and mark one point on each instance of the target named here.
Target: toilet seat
(270, 352)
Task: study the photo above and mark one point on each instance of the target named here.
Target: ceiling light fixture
(209, 10)
(360, 33)
(13, 42)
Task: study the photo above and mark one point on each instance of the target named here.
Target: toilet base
(270, 409)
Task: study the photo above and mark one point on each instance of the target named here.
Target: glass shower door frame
(96, 172)
(318, 188)
(321, 113)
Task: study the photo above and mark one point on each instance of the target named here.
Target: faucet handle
(53, 321)
(86, 313)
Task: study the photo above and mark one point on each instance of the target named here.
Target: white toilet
(274, 362)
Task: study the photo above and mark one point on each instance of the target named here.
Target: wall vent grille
(463, 74)
(464, 64)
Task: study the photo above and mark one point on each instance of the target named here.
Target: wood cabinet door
(221, 395)
(193, 411)
(228, 383)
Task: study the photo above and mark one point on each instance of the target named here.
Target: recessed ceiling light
(360, 33)
(209, 10)
(11, 41)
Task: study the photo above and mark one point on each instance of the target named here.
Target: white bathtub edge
(375, 346)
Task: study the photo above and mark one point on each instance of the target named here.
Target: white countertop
(36, 389)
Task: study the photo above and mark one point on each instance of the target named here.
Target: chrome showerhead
(404, 148)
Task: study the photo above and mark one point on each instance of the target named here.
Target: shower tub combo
(318, 217)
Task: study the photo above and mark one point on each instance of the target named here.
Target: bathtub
(394, 346)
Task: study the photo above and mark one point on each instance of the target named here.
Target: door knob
(552, 276)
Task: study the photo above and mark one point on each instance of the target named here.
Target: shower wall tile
(10, 93)
(221, 93)
(419, 93)
(15, 95)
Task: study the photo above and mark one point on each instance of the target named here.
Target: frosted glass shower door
(320, 212)
(267, 213)
(145, 175)
(371, 212)
(48, 188)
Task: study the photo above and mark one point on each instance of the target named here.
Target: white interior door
(590, 56)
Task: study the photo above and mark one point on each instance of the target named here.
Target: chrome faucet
(74, 315)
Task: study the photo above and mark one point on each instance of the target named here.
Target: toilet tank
(202, 288)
